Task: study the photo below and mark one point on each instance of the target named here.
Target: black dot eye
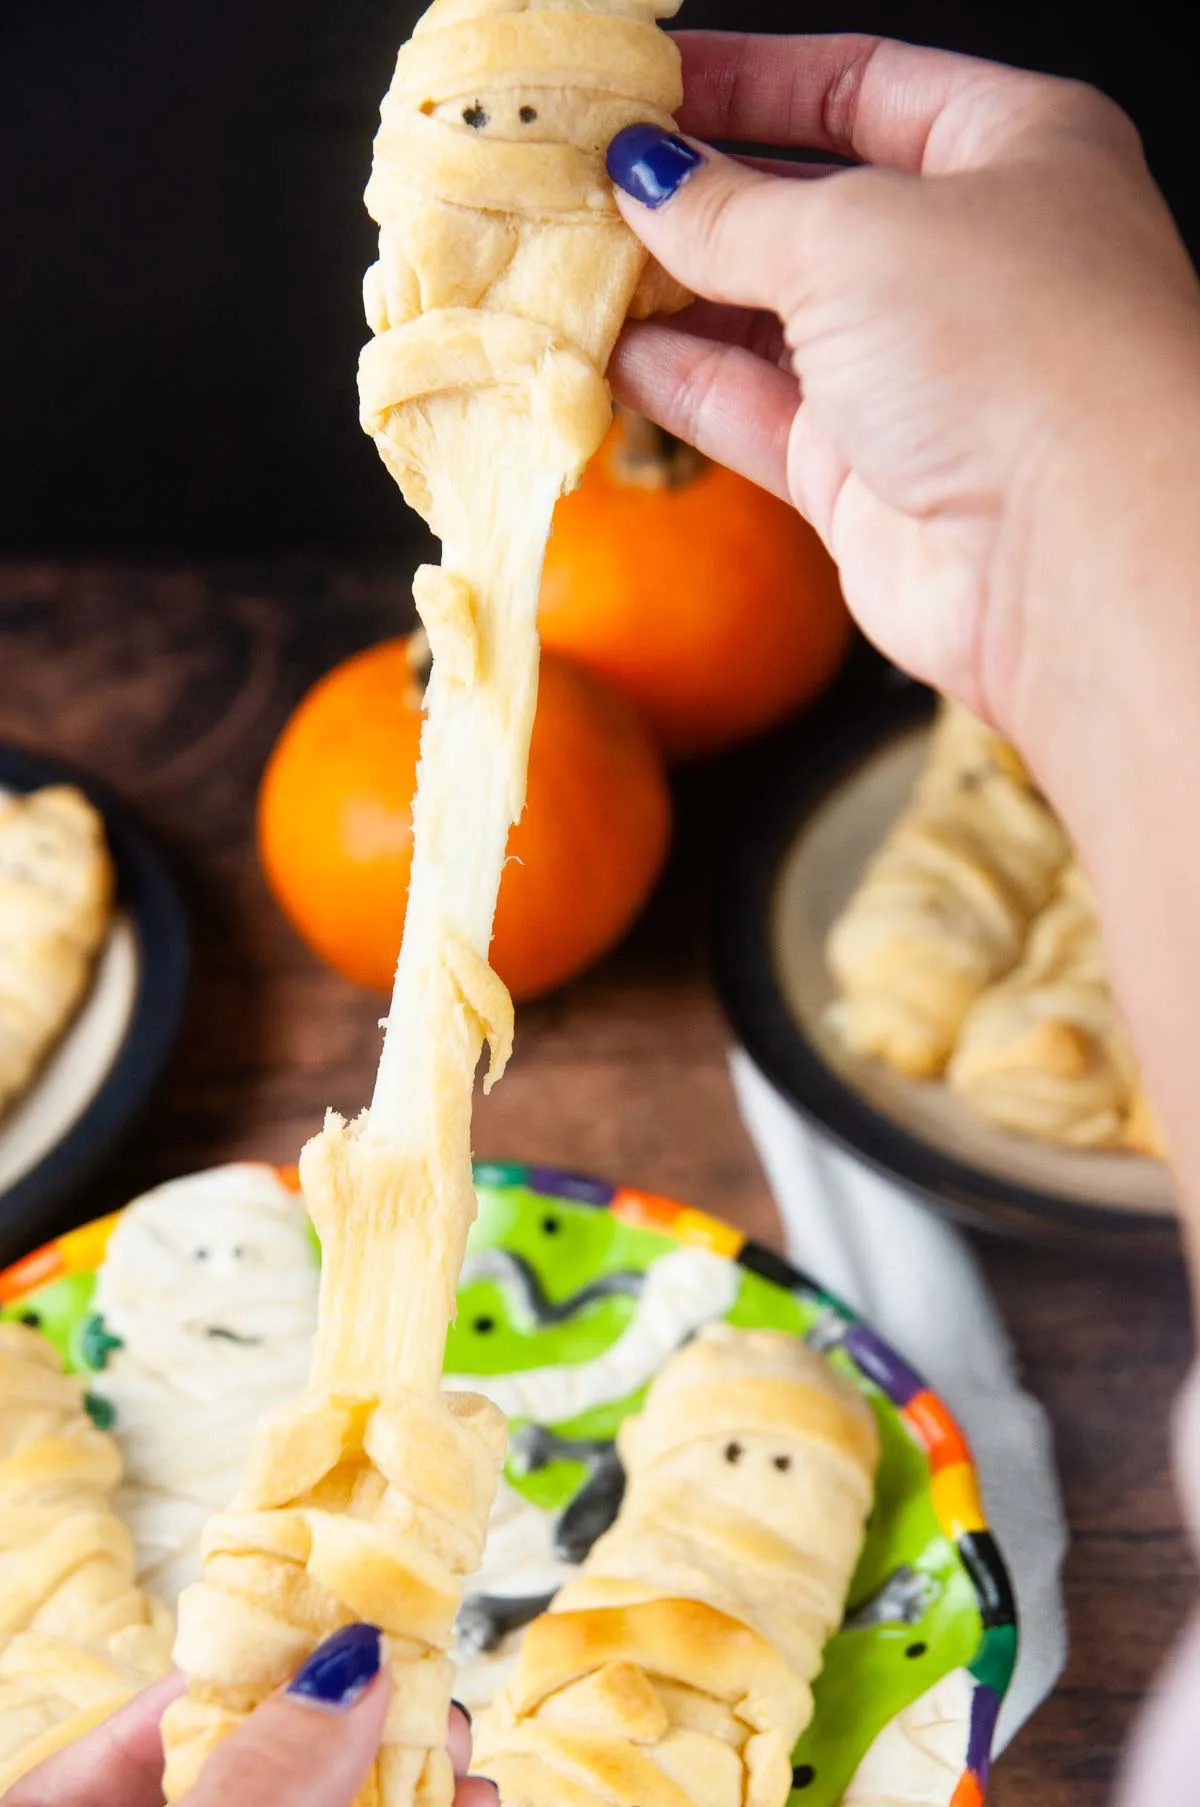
(733, 1452)
(803, 1776)
(782, 1463)
(551, 1225)
(32, 1318)
(484, 1324)
(528, 115)
(916, 1650)
(200, 1254)
(475, 116)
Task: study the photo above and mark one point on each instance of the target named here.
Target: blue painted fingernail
(339, 1670)
(649, 164)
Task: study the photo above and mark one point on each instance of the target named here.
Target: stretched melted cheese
(77, 1636)
(504, 275)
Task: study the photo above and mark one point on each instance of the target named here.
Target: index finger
(119, 1764)
(870, 99)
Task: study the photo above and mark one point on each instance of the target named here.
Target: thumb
(311, 1745)
(728, 232)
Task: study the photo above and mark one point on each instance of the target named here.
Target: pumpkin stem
(420, 666)
(648, 457)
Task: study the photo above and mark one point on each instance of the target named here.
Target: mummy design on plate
(205, 1307)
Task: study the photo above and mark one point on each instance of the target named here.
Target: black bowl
(31, 1207)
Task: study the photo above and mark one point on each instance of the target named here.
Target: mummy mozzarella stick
(677, 1666)
(56, 904)
(504, 275)
(78, 1637)
(1045, 1052)
(943, 907)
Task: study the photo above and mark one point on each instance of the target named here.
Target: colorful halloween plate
(191, 1311)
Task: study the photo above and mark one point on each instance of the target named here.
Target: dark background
(182, 240)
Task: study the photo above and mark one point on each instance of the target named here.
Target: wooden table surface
(171, 683)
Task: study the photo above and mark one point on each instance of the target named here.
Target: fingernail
(649, 164)
(465, 1711)
(339, 1670)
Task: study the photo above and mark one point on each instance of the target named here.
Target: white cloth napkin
(914, 1279)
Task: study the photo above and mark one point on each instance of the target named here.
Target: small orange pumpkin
(711, 603)
(335, 821)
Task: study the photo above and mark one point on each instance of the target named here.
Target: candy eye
(475, 116)
(733, 1452)
(527, 115)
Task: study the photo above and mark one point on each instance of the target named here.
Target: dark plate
(101, 1073)
(792, 868)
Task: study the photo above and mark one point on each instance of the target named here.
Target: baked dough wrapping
(504, 275)
(56, 893)
(972, 948)
(676, 1669)
(943, 907)
(77, 1636)
(1045, 1051)
(1143, 1132)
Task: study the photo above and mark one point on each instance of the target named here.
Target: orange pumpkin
(709, 602)
(335, 821)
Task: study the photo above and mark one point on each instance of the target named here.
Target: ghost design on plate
(917, 1760)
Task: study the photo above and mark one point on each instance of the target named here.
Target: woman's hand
(974, 362)
(995, 299)
(311, 1745)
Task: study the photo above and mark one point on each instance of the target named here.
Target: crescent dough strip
(943, 907)
(534, 50)
(1045, 1052)
(77, 1636)
(504, 276)
(56, 891)
(444, 13)
(1143, 1132)
(676, 1668)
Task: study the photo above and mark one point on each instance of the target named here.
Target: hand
(992, 301)
(310, 1749)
